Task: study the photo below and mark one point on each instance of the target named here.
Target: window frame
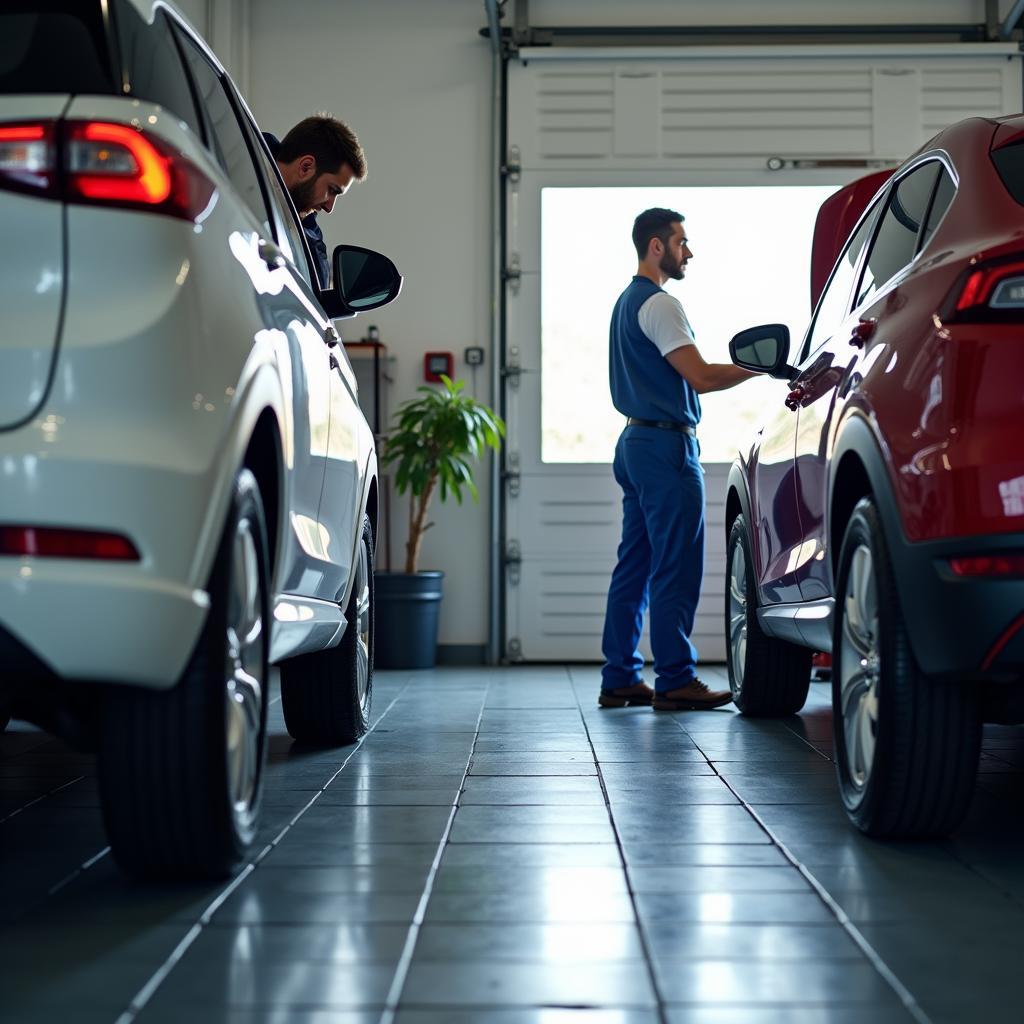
(871, 211)
(213, 144)
(281, 233)
(253, 138)
(945, 163)
(124, 79)
(877, 209)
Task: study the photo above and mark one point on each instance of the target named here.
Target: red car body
(914, 395)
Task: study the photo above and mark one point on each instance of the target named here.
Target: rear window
(53, 47)
(1009, 161)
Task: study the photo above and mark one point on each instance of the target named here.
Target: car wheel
(326, 695)
(906, 746)
(767, 676)
(181, 771)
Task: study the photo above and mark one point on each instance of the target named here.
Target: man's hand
(703, 377)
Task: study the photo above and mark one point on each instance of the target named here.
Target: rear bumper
(97, 623)
(967, 628)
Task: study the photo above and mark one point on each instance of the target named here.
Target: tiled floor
(500, 850)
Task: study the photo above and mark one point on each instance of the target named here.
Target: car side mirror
(763, 349)
(363, 280)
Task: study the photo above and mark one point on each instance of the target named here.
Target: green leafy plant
(431, 443)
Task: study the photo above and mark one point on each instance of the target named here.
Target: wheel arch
(857, 469)
(737, 498)
(373, 510)
(264, 458)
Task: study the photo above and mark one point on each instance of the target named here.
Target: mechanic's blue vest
(643, 383)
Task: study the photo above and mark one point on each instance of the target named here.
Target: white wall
(413, 81)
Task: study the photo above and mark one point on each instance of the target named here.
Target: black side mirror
(763, 349)
(363, 280)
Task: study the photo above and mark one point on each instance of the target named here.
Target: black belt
(679, 428)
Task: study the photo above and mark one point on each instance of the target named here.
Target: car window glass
(153, 66)
(58, 49)
(294, 239)
(229, 143)
(896, 241)
(940, 204)
(835, 300)
(1008, 160)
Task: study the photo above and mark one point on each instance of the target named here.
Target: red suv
(879, 514)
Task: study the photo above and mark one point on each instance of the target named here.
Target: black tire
(768, 677)
(179, 798)
(912, 770)
(326, 695)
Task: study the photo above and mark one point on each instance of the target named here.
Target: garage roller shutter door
(581, 118)
(697, 109)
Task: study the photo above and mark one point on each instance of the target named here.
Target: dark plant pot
(405, 630)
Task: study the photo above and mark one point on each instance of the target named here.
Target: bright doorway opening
(751, 265)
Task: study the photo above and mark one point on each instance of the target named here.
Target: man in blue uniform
(319, 159)
(657, 374)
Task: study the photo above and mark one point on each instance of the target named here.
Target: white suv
(188, 489)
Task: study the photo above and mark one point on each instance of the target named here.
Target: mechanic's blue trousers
(661, 558)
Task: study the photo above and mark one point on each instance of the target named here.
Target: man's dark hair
(653, 223)
(330, 142)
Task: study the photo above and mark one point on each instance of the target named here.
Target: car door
(780, 540)
(286, 305)
(340, 498)
(347, 452)
(835, 364)
(816, 365)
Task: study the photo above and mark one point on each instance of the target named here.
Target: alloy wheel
(859, 667)
(363, 625)
(245, 686)
(738, 617)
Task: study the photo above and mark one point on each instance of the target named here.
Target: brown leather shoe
(637, 696)
(695, 696)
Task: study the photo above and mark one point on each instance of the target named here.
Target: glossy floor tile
(499, 850)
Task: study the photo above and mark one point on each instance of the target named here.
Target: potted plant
(430, 446)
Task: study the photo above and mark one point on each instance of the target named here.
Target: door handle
(331, 336)
(794, 398)
(335, 365)
(862, 332)
(270, 254)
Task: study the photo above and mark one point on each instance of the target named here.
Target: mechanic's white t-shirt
(662, 319)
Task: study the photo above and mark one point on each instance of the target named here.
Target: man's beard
(302, 196)
(670, 268)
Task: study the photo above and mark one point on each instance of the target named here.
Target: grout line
(143, 996)
(81, 869)
(645, 944)
(408, 950)
(901, 991)
(38, 799)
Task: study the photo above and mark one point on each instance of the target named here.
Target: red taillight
(112, 162)
(28, 157)
(988, 565)
(53, 542)
(102, 163)
(992, 289)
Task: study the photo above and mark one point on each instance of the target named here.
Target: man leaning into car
(657, 374)
(319, 159)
